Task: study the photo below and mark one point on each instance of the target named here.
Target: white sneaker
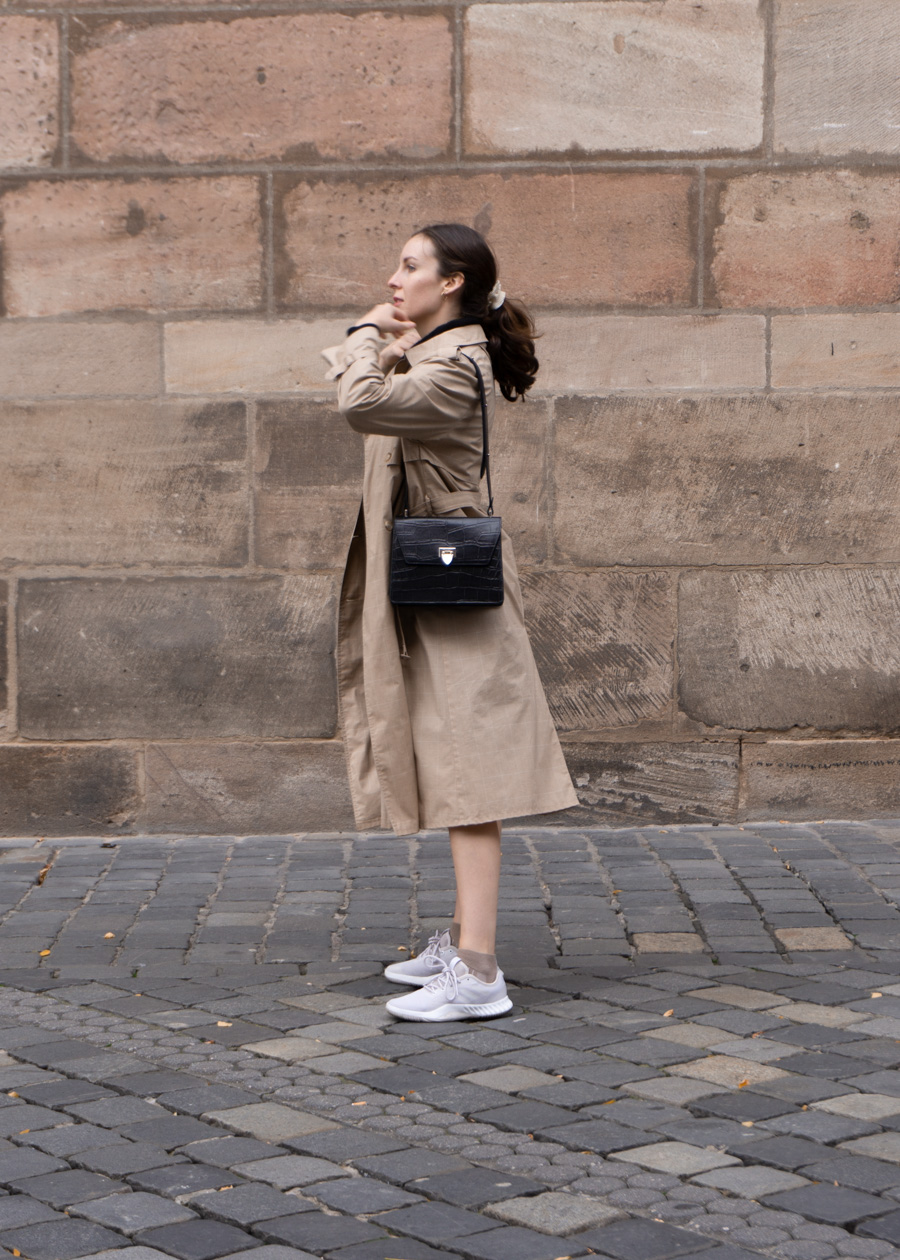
(455, 993)
(424, 966)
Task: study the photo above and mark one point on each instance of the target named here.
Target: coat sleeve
(432, 398)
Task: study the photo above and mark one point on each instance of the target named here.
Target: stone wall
(702, 203)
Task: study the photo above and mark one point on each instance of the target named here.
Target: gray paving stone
(638, 1239)
(63, 1189)
(752, 1181)
(884, 1146)
(288, 1171)
(316, 1232)
(343, 1144)
(829, 1205)
(474, 1187)
(183, 1179)
(524, 1117)
(117, 1112)
(197, 1239)
(406, 1166)
(60, 1093)
(230, 1151)
(886, 1227)
(132, 1212)
(27, 1163)
(24, 1116)
(197, 1102)
(512, 1242)
(599, 1136)
(124, 1157)
(60, 1240)
(20, 1209)
(246, 1204)
(271, 1122)
(818, 1126)
(678, 1158)
(436, 1222)
(554, 1213)
(69, 1138)
(361, 1196)
(270, 1251)
(855, 1171)
(170, 1132)
(383, 1250)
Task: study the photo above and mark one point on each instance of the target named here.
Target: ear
(453, 284)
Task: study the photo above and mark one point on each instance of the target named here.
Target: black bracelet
(356, 328)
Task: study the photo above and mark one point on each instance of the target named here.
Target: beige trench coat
(444, 718)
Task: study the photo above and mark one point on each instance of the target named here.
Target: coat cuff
(365, 343)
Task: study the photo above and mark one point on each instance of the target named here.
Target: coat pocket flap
(434, 540)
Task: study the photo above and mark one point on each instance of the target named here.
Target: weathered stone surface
(805, 238)
(581, 76)
(801, 647)
(591, 238)
(249, 356)
(112, 483)
(846, 349)
(166, 657)
(520, 454)
(44, 358)
(66, 791)
(678, 1158)
(668, 943)
(143, 244)
(843, 778)
(554, 1213)
(258, 788)
(794, 939)
(585, 353)
(664, 782)
(294, 86)
(309, 483)
(836, 75)
(727, 1070)
(29, 86)
(4, 597)
(603, 645)
(726, 480)
(751, 1182)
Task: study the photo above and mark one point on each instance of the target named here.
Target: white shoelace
(431, 956)
(447, 980)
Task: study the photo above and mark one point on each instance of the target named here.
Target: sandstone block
(836, 350)
(839, 778)
(836, 75)
(4, 596)
(249, 356)
(654, 782)
(583, 354)
(794, 939)
(142, 244)
(59, 791)
(309, 484)
(726, 480)
(43, 358)
(603, 645)
(796, 647)
(668, 943)
(805, 238)
(592, 238)
(299, 86)
(166, 658)
(520, 452)
(29, 91)
(124, 483)
(581, 77)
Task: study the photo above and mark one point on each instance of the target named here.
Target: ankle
(484, 966)
(454, 934)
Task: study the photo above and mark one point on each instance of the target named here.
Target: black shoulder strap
(485, 454)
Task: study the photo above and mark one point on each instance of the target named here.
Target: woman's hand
(386, 319)
(393, 353)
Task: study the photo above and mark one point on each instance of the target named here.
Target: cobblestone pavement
(701, 1060)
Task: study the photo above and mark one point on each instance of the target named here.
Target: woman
(444, 719)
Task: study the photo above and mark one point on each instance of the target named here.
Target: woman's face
(419, 292)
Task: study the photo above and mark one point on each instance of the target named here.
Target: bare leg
(476, 861)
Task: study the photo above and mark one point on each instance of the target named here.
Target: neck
(428, 324)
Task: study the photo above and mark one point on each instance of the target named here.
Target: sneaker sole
(417, 982)
(450, 1011)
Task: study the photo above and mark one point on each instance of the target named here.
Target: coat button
(388, 524)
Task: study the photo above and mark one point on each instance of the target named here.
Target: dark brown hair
(510, 329)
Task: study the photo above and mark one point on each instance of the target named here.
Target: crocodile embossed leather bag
(438, 562)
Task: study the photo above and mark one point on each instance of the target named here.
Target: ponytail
(509, 327)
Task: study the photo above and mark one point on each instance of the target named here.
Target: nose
(394, 283)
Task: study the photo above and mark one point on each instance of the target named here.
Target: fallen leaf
(666, 1014)
(43, 873)
(12, 1094)
(358, 1104)
(43, 954)
(877, 995)
(617, 890)
(402, 949)
(21, 1131)
(741, 1084)
(16, 1251)
(804, 1106)
(747, 1124)
(222, 1023)
(109, 936)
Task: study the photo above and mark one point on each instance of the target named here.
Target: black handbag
(438, 562)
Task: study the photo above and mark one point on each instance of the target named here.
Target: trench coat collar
(446, 343)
